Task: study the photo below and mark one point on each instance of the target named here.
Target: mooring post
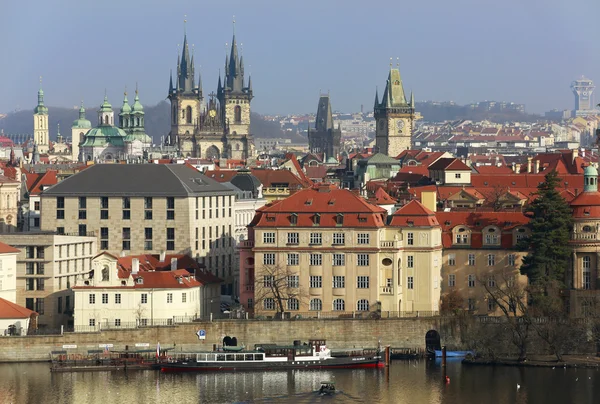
(387, 355)
(444, 356)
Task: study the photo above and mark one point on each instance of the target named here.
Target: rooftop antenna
(397, 62)
(391, 62)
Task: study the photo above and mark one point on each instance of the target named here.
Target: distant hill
(158, 118)
(446, 112)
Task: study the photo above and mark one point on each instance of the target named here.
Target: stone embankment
(546, 361)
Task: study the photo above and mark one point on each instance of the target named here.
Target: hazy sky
(526, 51)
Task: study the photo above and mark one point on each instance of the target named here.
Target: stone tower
(235, 96)
(394, 117)
(40, 124)
(186, 101)
(325, 138)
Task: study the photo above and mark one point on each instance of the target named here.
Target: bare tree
(496, 196)
(511, 299)
(452, 302)
(281, 284)
(139, 313)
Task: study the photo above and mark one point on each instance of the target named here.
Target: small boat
(314, 355)
(454, 354)
(327, 389)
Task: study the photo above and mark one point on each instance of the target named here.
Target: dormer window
(586, 229)
(339, 219)
(294, 219)
(317, 219)
(462, 236)
(139, 281)
(180, 280)
(308, 202)
(492, 236)
(270, 218)
(123, 283)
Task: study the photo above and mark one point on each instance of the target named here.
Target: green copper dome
(137, 106)
(82, 122)
(41, 109)
(125, 109)
(102, 135)
(105, 107)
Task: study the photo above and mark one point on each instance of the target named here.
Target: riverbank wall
(339, 334)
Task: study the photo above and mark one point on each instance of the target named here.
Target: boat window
(239, 357)
(210, 357)
(220, 357)
(201, 358)
(249, 357)
(230, 357)
(259, 357)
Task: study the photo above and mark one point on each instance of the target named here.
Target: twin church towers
(218, 125)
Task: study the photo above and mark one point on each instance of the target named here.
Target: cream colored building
(119, 297)
(148, 209)
(8, 273)
(47, 266)
(340, 255)
(9, 208)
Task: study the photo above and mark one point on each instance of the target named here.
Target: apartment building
(8, 272)
(148, 209)
(338, 253)
(48, 265)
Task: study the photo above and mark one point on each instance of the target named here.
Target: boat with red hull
(314, 355)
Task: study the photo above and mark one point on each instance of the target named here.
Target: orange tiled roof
(6, 249)
(414, 213)
(10, 310)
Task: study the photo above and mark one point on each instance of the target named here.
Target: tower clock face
(400, 124)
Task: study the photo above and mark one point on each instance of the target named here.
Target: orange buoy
(447, 380)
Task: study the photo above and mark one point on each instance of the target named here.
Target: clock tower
(394, 117)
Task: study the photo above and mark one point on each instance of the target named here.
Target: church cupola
(124, 114)
(590, 179)
(106, 114)
(137, 112)
(41, 109)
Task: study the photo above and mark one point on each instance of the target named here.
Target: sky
(524, 51)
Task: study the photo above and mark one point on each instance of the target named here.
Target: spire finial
(125, 93)
(185, 24)
(391, 63)
(233, 25)
(40, 81)
(136, 88)
(397, 62)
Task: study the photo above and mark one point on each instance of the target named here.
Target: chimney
(529, 165)
(135, 265)
(173, 264)
(583, 152)
(514, 167)
(162, 256)
(537, 166)
(575, 154)
(429, 199)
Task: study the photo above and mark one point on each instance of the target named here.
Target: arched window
(316, 305)
(106, 119)
(462, 235)
(237, 114)
(362, 305)
(293, 304)
(237, 146)
(492, 235)
(339, 305)
(188, 114)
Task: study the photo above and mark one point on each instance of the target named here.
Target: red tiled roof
(35, 185)
(6, 249)
(414, 213)
(10, 310)
(316, 172)
(382, 198)
(323, 199)
(449, 164)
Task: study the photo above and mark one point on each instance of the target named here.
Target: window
(339, 282)
(29, 303)
(148, 208)
(410, 283)
(410, 261)
(362, 260)
(147, 202)
(316, 238)
(171, 208)
(293, 259)
(462, 236)
(144, 298)
(269, 259)
(410, 238)
(491, 282)
(451, 260)
(126, 238)
(316, 305)
(294, 219)
(471, 280)
(457, 175)
(362, 282)
(510, 282)
(362, 305)
(117, 322)
(471, 260)
(339, 239)
(59, 230)
(316, 281)
(471, 303)
(363, 238)
(451, 280)
(339, 219)
(268, 281)
(316, 259)
(82, 229)
(126, 208)
(269, 238)
(92, 298)
(512, 259)
(60, 207)
(82, 214)
(293, 304)
(491, 304)
(269, 303)
(587, 275)
(317, 219)
(491, 260)
(92, 322)
(104, 208)
(293, 281)
(148, 238)
(292, 238)
(104, 238)
(169, 297)
(250, 303)
(339, 305)
(117, 298)
(30, 268)
(339, 260)
(36, 205)
(170, 238)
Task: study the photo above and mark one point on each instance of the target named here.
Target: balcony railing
(246, 244)
(385, 290)
(584, 236)
(388, 244)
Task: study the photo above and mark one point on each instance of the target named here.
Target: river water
(403, 382)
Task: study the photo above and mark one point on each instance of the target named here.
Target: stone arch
(432, 341)
(213, 152)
